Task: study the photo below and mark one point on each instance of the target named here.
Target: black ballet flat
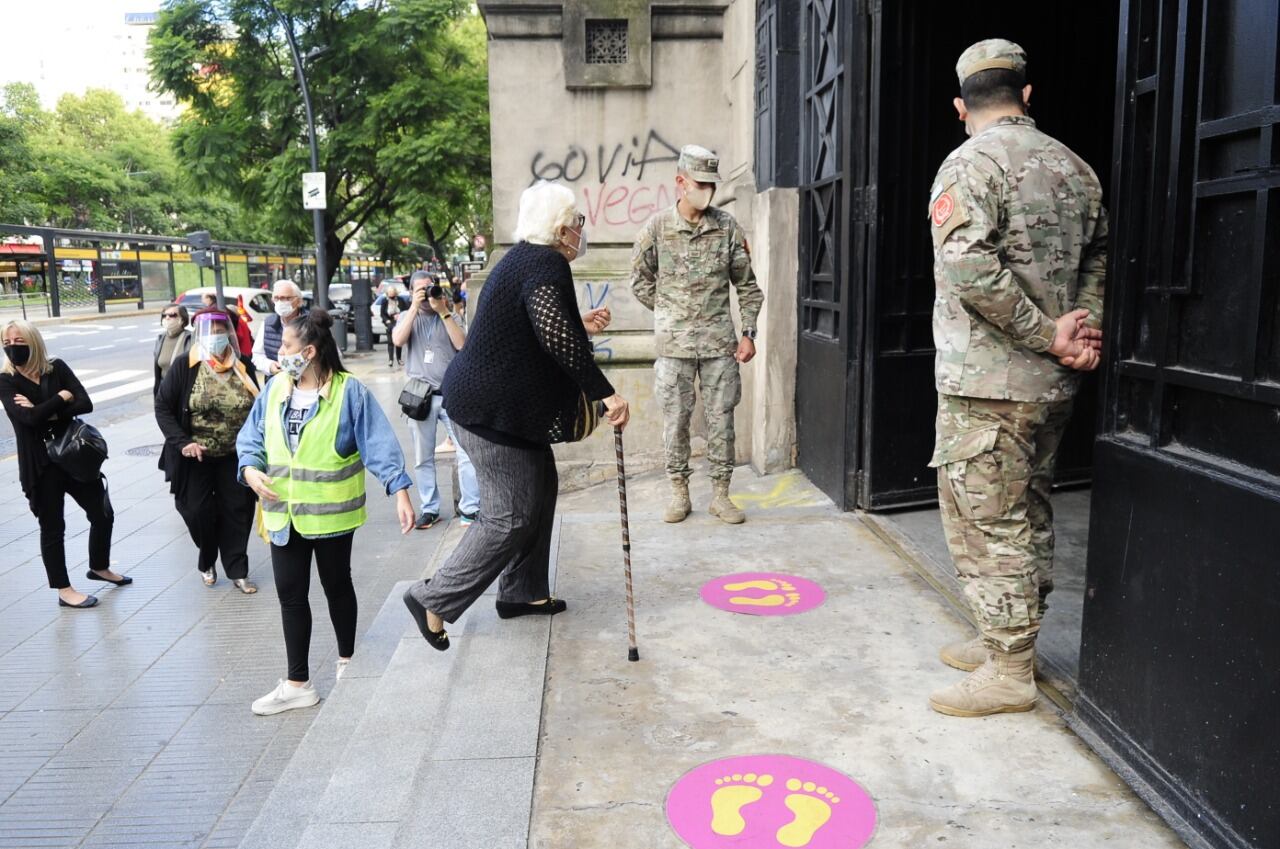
(89, 601)
(123, 582)
(439, 640)
(512, 609)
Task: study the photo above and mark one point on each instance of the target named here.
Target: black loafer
(89, 601)
(123, 582)
(512, 609)
(439, 640)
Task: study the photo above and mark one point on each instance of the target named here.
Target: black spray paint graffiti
(574, 164)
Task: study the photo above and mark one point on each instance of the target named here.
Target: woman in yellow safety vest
(304, 450)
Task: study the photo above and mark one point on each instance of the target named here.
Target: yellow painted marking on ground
(791, 490)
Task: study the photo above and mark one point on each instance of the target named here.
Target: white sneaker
(343, 663)
(286, 697)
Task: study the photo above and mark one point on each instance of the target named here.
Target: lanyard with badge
(429, 356)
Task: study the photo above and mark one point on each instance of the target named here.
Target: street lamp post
(322, 277)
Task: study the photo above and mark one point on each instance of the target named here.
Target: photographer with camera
(431, 335)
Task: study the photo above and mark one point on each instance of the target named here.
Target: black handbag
(415, 399)
(79, 450)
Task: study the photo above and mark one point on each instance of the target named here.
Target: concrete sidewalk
(845, 684)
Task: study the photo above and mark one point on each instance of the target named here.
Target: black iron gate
(1178, 670)
(832, 243)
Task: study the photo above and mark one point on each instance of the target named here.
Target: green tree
(400, 104)
(21, 195)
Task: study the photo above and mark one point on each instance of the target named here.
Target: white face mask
(284, 309)
(698, 197)
(172, 326)
(582, 243)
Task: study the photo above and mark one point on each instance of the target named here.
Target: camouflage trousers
(995, 464)
(721, 391)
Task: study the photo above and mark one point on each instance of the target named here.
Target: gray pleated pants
(511, 541)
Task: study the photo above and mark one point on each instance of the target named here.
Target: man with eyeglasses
(288, 303)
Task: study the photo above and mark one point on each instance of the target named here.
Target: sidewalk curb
(97, 316)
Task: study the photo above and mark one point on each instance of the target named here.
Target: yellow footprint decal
(812, 806)
(755, 585)
(737, 791)
(788, 596)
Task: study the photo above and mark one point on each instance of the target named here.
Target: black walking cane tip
(633, 654)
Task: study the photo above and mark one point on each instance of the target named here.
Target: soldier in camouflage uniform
(685, 260)
(1019, 237)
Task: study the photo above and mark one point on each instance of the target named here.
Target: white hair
(284, 281)
(545, 207)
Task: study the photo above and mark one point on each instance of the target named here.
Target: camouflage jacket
(1019, 239)
(683, 274)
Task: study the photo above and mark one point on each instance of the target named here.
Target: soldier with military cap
(685, 260)
(1020, 254)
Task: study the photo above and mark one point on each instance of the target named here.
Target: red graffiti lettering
(612, 205)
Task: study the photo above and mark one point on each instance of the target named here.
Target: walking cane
(633, 653)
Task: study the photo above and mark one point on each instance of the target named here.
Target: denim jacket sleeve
(364, 427)
(251, 448)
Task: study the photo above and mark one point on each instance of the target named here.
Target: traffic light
(201, 243)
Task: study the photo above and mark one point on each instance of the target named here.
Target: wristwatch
(749, 334)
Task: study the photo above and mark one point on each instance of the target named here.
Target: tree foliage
(90, 164)
(400, 95)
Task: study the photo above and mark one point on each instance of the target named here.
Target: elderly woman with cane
(526, 379)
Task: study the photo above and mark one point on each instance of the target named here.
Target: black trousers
(394, 352)
(52, 488)
(291, 564)
(218, 510)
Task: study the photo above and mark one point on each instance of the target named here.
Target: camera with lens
(435, 291)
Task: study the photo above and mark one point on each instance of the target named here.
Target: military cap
(989, 54)
(699, 163)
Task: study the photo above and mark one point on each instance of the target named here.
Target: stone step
(418, 747)
(295, 796)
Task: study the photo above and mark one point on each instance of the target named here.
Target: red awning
(17, 248)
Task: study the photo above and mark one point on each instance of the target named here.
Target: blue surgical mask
(217, 344)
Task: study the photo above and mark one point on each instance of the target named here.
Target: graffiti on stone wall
(610, 181)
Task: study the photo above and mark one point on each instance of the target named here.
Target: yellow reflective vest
(321, 492)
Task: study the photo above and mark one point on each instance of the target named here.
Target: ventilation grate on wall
(606, 42)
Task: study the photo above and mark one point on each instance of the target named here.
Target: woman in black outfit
(202, 404)
(42, 396)
(521, 384)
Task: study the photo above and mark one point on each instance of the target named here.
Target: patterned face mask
(294, 365)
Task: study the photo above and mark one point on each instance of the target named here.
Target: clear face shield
(214, 337)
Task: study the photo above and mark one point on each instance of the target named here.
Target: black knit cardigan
(527, 356)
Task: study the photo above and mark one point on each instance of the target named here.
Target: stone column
(600, 95)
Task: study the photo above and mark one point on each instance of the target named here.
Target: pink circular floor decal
(770, 802)
(763, 594)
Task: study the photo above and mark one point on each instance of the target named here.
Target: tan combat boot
(723, 507)
(1003, 684)
(965, 655)
(680, 505)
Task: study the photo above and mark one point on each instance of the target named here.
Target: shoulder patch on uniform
(944, 206)
(946, 214)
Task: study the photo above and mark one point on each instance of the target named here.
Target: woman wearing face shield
(203, 401)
